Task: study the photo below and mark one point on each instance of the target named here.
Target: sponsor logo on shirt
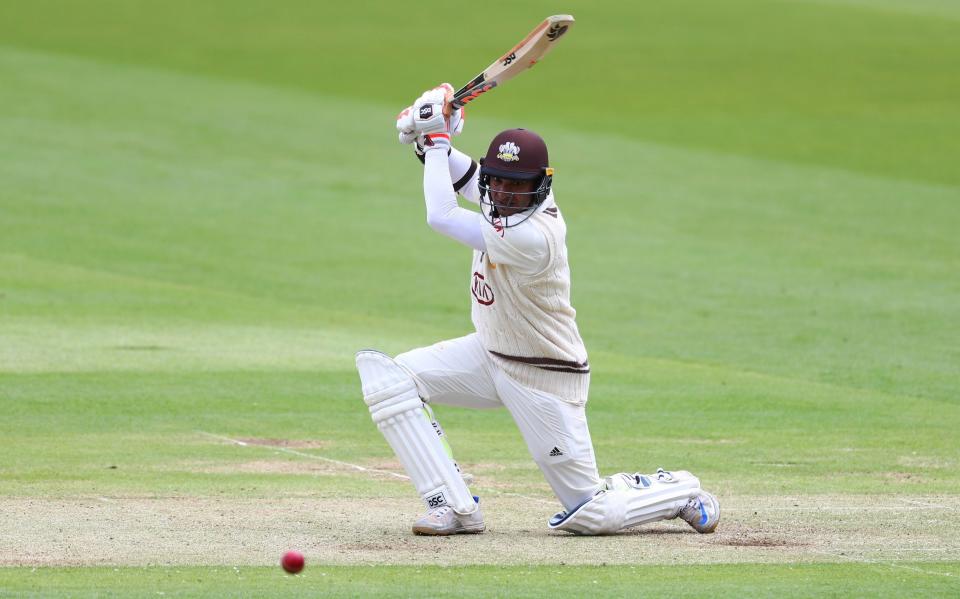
(481, 291)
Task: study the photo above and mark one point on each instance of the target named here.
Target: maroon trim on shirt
(548, 363)
(466, 177)
(562, 369)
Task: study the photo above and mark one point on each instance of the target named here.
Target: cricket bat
(521, 57)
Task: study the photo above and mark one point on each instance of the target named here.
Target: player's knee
(404, 359)
(418, 359)
(388, 389)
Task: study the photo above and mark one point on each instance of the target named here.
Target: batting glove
(426, 117)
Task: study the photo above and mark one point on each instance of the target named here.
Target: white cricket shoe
(702, 512)
(445, 520)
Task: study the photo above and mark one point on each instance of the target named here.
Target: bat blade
(521, 57)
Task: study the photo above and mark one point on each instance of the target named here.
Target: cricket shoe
(702, 512)
(445, 520)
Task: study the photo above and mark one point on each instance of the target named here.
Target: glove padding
(425, 117)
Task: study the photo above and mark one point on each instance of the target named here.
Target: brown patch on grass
(385, 464)
(905, 477)
(758, 542)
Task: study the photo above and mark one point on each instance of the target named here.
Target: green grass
(204, 212)
(837, 580)
(749, 424)
(830, 83)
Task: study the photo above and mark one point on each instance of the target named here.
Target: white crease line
(307, 455)
(222, 438)
(865, 560)
(358, 467)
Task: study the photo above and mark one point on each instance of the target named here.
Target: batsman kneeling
(526, 353)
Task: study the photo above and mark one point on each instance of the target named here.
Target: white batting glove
(405, 128)
(425, 116)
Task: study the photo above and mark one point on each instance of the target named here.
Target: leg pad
(629, 500)
(391, 395)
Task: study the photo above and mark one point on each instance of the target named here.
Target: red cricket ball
(292, 562)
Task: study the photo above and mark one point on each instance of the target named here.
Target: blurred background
(738, 176)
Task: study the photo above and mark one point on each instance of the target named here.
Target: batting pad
(391, 394)
(623, 504)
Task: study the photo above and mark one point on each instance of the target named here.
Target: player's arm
(443, 213)
(445, 170)
(464, 172)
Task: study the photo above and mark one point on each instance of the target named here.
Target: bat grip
(450, 106)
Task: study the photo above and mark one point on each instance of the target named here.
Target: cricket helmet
(519, 155)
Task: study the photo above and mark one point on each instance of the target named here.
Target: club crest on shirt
(481, 291)
(509, 152)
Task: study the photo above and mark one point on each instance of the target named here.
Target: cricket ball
(292, 562)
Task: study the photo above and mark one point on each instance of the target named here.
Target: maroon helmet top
(516, 154)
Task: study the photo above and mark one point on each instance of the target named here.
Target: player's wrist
(436, 141)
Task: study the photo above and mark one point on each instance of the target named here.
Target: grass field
(204, 213)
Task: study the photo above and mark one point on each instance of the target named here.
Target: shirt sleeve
(465, 174)
(443, 213)
(524, 246)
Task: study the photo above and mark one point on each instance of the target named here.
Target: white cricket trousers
(460, 372)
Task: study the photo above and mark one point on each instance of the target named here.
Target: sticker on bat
(556, 30)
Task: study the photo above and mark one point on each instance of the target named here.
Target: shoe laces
(440, 511)
(690, 510)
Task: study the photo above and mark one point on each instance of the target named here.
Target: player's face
(511, 195)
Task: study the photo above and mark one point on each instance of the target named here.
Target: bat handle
(461, 98)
